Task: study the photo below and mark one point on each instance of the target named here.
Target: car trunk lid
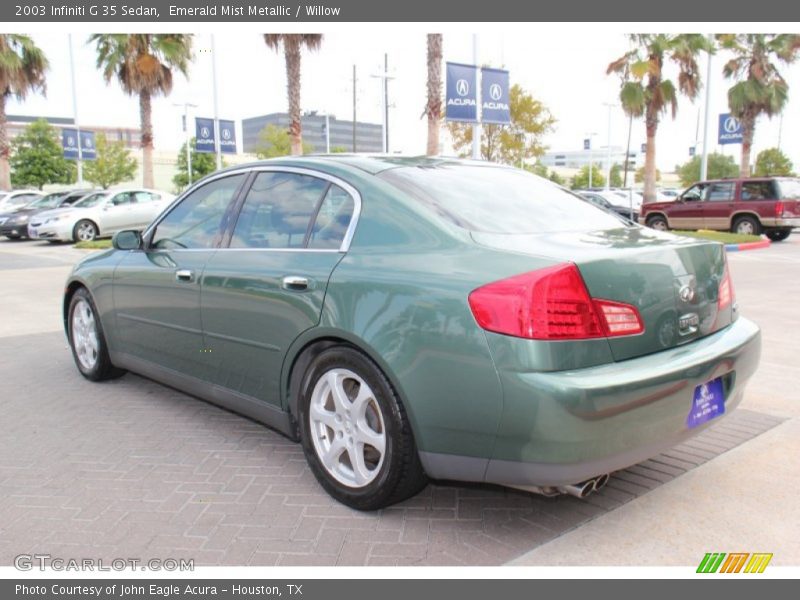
(672, 281)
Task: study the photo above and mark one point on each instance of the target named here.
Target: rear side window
(499, 200)
(720, 192)
(333, 219)
(758, 190)
(278, 211)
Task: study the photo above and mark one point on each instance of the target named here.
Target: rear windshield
(789, 189)
(499, 200)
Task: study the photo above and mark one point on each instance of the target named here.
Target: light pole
(79, 161)
(186, 106)
(217, 148)
(704, 159)
(476, 127)
(589, 137)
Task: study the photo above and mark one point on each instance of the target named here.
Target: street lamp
(589, 137)
(610, 106)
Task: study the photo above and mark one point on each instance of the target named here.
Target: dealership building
(576, 159)
(368, 135)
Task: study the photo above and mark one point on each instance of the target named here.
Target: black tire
(84, 231)
(400, 475)
(746, 225)
(102, 368)
(14, 237)
(657, 222)
(778, 235)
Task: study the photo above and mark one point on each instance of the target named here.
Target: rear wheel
(657, 222)
(87, 340)
(84, 231)
(778, 235)
(746, 226)
(355, 432)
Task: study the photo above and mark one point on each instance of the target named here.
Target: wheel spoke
(331, 457)
(340, 399)
(361, 473)
(362, 400)
(365, 435)
(320, 415)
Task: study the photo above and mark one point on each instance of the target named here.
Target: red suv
(769, 205)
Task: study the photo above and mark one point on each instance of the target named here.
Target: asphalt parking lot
(130, 468)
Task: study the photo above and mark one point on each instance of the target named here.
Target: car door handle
(295, 283)
(184, 275)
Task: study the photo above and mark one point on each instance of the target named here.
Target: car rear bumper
(564, 427)
(782, 222)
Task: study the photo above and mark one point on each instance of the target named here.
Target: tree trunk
(5, 147)
(748, 131)
(146, 116)
(434, 107)
(291, 49)
(650, 158)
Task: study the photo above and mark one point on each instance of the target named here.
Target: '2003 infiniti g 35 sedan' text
(408, 318)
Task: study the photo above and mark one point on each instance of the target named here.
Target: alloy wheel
(347, 428)
(84, 334)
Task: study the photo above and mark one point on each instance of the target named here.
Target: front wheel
(84, 231)
(87, 340)
(355, 432)
(778, 235)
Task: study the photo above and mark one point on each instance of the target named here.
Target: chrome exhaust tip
(601, 482)
(579, 490)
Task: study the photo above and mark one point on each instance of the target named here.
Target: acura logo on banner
(730, 129)
(495, 96)
(204, 135)
(227, 136)
(69, 142)
(461, 102)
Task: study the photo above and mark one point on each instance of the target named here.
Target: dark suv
(769, 205)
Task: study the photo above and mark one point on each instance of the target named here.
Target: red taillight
(779, 208)
(550, 304)
(726, 294)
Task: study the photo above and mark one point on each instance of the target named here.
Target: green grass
(720, 236)
(93, 245)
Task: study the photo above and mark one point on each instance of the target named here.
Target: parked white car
(17, 199)
(100, 214)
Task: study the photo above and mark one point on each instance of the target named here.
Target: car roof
(369, 163)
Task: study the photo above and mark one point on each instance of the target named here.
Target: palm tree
(143, 64)
(22, 69)
(292, 46)
(759, 87)
(645, 90)
(434, 106)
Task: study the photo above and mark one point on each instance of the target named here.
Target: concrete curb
(747, 246)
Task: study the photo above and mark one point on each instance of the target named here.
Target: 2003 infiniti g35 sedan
(407, 318)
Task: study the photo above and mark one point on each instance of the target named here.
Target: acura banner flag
(227, 136)
(204, 135)
(495, 102)
(70, 140)
(461, 100)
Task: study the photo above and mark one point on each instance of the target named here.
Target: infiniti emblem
(686, 293)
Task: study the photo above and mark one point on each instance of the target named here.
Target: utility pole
(627, 152)
(476, 127)
(384, 103)
(187, 136)
(355, 94)
(327, 133)
(610, 106)
(75, 111)
(217, 146)
(591, 166)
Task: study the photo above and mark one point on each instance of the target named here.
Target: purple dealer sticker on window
(708, 402)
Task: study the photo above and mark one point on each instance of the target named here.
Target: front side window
(278, 211)
(694, 193)
(198, 220)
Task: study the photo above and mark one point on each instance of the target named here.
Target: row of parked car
(78, 215)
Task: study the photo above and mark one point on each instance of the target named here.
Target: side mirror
(129, 239)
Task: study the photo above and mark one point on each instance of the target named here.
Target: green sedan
(415, 318)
